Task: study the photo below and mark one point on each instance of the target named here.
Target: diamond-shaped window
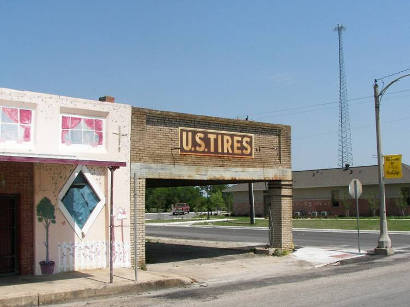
(81, 200)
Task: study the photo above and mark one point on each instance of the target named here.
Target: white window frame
(82, 147)
(17, 142)
(100, 205)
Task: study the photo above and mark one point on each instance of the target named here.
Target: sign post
(355, 190)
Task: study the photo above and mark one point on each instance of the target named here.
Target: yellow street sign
(392, 166)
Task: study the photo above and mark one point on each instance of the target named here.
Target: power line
(387, 122)
(258, 115)
(393, 74)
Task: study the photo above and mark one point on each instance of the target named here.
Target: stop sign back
(358, 188)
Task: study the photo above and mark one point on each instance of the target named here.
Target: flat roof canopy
(60, 160)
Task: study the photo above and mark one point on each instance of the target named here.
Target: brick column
(281, 207)
(140, 220)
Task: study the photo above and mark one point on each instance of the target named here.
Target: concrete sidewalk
(209, 262)
(63, 287)
(240, 262)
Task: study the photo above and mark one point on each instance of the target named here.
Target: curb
(107, 290)
(365, 258)
(242, 246)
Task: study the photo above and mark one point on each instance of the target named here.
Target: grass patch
(242, 221)
(348, 223)
(186, 219)
(325, 223)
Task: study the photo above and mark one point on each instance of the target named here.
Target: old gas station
(173, 149)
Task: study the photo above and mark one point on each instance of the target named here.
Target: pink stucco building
(63, 148)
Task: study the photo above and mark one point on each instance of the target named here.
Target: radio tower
(345, 155)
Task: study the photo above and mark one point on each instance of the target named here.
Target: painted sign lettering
(215, 143)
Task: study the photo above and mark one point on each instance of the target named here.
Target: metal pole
(357, 214)
(251, 204)
(112, 169)
(270, 227)
(135, 227)
(384, 242)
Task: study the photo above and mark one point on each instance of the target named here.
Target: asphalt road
(341, 240)
(384, 281)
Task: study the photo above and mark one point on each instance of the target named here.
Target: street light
(384, 242)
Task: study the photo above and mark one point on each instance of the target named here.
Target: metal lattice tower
(345, 155)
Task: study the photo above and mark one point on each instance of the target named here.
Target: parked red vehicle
(180, 209)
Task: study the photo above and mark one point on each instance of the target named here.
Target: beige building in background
(324, 192)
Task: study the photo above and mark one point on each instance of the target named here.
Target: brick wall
(155, 155)
(154, 139)
(281, 206)
(306, 207)
(140, 197)
(17, 179)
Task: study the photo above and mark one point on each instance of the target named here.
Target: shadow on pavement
(26, 279)
(163, 252)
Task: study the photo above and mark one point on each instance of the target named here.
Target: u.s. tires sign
(215, 143)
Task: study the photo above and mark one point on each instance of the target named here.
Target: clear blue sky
(222, 58)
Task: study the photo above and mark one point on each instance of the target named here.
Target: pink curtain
(25, 116)
(63, 136)
(70, 122)
(25, 119)
(94, 124)
(97, 126)
(98, 130)
(12, 113)
(100, 137)
(26, 133)
(90, 123)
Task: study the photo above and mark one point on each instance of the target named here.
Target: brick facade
(308, 202)
(154, 139)
(281, 208)
(156, 161)
(306, 207)
(17, 179)
(140, 218)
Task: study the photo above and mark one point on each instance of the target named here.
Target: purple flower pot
(47, 268)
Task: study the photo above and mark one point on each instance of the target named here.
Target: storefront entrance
(8, 234)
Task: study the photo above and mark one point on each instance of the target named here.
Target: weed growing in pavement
(281, 252)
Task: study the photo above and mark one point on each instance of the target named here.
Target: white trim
(91, 219)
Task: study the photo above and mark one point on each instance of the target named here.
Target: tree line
(207, 198)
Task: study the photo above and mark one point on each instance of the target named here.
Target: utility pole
(251, 203)
(384, 241)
